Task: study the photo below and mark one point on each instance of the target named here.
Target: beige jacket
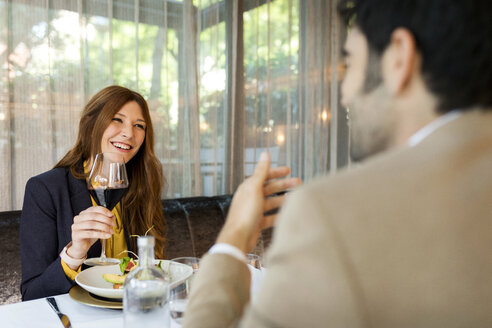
(404, 240)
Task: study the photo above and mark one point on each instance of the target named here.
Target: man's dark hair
(454, 38)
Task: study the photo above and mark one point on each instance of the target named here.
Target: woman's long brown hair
(141, 206)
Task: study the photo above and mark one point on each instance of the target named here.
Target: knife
(63, 318)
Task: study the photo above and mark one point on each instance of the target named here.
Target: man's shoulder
(469, 132)
(359, 178)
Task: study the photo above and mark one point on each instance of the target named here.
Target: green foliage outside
(270, 64)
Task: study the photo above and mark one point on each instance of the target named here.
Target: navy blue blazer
(51, 201)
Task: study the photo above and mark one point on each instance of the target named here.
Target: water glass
(254, 260)
(178, 296)
(193, 262)
(255, 263)
(178, 300)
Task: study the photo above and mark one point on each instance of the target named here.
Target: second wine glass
(107, 184)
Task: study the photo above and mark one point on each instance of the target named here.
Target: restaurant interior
(224, 81)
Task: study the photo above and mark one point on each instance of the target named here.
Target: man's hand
(246, 217)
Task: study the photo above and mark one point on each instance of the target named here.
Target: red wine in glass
(107, 184)
(108, 197)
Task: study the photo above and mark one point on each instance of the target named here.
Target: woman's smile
(121, 146)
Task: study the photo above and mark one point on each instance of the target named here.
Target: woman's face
(126, 132)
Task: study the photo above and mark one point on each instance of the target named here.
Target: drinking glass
(107, 184)
(254, 260)
(178, 296)
(256, 269)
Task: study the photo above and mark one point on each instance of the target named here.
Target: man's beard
(371, 124)
(374, 72)
(370, 120)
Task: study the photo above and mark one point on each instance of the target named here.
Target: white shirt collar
(433, 126)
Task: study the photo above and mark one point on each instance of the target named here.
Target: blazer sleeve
(306, 283)
(42, 272)
(219, 293)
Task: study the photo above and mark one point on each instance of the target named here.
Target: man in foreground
(404, 239)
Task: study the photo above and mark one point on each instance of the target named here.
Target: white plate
(92, 279)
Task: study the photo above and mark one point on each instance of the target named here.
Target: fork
(63, 318)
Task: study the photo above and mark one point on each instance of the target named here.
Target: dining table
(38, 313)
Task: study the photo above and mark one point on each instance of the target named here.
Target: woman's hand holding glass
(107, 184)
(90, 225)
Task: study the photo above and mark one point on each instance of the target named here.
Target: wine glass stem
(103, 250)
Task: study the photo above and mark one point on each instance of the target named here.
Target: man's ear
(399, 60)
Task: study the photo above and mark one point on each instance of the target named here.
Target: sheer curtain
(224, 81)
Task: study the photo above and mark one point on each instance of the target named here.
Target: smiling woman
(126, 132)
(60, 227)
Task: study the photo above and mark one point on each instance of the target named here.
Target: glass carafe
(146, 291)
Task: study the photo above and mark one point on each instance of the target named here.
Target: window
(224, 81)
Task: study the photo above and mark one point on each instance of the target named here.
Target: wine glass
(178, 296)
(107, 184)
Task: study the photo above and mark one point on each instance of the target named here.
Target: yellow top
(115, 246)
(69, 272)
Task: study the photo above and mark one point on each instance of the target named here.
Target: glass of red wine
(107, 184)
